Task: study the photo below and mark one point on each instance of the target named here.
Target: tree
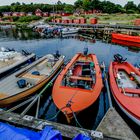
(130, 6)
(86, 5)
(69, 8)
(139, 8)
(59, 3)
(95, 4)
(78, 4)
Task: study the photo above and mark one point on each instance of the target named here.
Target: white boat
(11, 59)
(69, 31)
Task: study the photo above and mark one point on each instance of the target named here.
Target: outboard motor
(57, 54)
(85, 51)
(8, 50)
(25, 53)
(118, 58)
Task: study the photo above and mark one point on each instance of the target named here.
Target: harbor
(39, 110)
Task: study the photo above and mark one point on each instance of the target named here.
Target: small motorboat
(125, 87)
(127, 40)
(29, 79)
(66, 31)
(79, 85)
(11, 59)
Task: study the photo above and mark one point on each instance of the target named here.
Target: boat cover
(9, 132)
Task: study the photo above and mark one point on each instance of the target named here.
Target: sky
(8, 2)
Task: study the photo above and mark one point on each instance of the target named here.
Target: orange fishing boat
(79, 85)
(128, 40)
(125, 87)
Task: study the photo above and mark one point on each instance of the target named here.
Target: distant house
(16, 14)
(97, 11)
(88, 12)
(38, 12)
(7, 14)
(55, 14)
(22, 14)
(1, 20)
(29, 14)
(45, 14)
(65, 14)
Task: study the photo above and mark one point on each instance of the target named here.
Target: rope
(75, 118)
(57, 113)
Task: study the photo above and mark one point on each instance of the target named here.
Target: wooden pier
(38, 124)
(103, 31)
(98, 26)
(111, 127)
(114, 126)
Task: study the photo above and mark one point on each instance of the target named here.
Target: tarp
(81, 137)
(9, 132)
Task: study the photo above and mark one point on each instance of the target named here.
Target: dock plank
(39, 124)
(114, 126)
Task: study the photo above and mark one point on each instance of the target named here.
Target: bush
(28, 18)
(6, 18)
(15, 18)
(49, 19)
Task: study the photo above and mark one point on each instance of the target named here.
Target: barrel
(76, 21)
(70, 20)
(82, 21)
(93, 21)
(137, 22)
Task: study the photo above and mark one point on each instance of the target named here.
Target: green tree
(130, 6)
(78, 4)
(86, 5)
(69, 8)
(95, 4)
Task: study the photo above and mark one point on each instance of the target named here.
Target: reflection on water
(29, 41)
(18, 34)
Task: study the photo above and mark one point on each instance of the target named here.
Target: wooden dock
(114, 126)
(99, 26)
(111, 127)
(38, 124)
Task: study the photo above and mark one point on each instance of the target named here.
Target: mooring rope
(76, 118)
(57, 113)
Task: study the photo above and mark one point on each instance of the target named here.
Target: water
(69, 47)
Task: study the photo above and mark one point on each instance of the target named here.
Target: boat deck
(9, 86)
(125, 80)
(6, 63)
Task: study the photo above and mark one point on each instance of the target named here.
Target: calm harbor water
(68, 47)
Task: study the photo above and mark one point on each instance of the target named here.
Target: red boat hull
(73, 100)
(127, 40)
(130, 105)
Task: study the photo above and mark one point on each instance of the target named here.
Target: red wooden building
(16, 14)
(137, 22)
(38, 12)
(45, 14)
(65, 14)
(22, 14)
